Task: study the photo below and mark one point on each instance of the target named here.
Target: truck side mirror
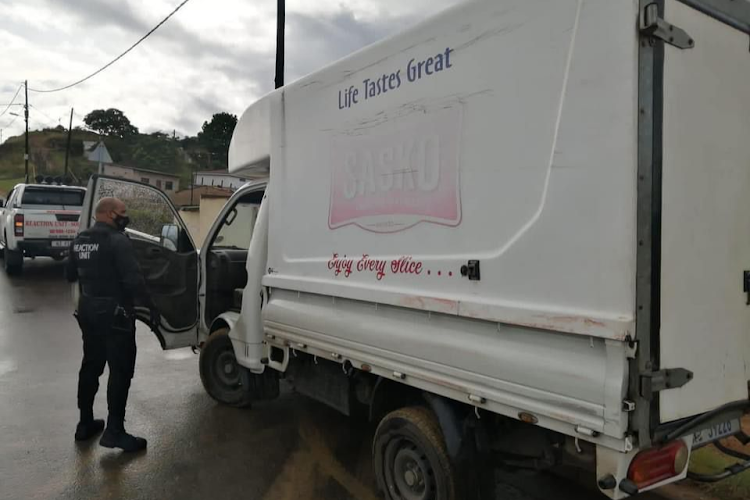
(169, 236)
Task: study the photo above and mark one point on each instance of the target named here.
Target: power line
(12, 100)
(116, 58)
(56, 122)
(12, 121)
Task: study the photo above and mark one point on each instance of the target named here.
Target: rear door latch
(672, 378)
(471, 270)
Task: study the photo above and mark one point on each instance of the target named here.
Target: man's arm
(71, 266)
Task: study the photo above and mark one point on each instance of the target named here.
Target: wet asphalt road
(292, 448)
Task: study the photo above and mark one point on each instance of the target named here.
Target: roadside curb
(682, 491)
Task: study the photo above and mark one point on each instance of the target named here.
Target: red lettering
(345, 266)
(340, 265)
(405, 265)
(372, 265)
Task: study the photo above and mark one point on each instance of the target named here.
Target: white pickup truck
(38, 220)
(515, 234)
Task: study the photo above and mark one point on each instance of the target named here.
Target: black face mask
(121, 221)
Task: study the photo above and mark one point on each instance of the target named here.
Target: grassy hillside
(153, 152)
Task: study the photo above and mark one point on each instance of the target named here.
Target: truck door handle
(153, 252)
(746, 285)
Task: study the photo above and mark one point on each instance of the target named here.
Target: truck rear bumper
(44, 248)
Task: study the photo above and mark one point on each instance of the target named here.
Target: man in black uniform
(103, 261)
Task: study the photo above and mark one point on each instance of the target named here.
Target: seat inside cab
(226, 273)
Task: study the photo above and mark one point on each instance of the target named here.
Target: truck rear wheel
(410, 457)
(224, 380)
(13, 262)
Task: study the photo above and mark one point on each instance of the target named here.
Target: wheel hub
(226, 369)
(410, 472)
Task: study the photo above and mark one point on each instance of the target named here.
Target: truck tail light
(18, 225)
(658, 464)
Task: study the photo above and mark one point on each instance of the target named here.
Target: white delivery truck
(38, 220)
(517, 233)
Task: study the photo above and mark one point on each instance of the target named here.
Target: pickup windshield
(46, 196)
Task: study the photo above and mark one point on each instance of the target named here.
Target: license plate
(61, 243)
(716, 431)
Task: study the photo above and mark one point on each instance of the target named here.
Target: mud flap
(466, 440)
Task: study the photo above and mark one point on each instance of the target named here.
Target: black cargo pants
(105, 344)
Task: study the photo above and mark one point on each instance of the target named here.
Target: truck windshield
(41, 196)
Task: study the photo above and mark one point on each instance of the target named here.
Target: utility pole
(192, 183)
(280, 24)
(26, 116)
(67, 148)
(99, 148)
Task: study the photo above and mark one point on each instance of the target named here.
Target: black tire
(13, 262)
(410, 457)
(224, 380)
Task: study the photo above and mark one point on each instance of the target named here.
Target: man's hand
(155, 319)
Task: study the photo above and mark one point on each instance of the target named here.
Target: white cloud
(213, 55)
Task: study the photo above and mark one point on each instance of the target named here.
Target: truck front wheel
(224, 380)
(410, 457)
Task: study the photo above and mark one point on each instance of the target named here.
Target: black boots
(85, 430)
(116, 437)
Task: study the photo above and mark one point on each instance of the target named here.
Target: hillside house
(168, 183)
(219, 178)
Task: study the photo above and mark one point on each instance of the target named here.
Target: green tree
(110, 122)
(216, 135)
(155, 152)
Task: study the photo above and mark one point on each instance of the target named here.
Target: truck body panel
(497, 157)
(575, 381)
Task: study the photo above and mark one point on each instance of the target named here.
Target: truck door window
(151, 217)
(237, 228)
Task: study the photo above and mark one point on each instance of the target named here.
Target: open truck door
(704, 280)
(164, 250)
(693, 280)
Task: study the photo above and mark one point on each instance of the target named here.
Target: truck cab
(38, 220)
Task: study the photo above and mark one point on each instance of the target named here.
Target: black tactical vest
(95, 260)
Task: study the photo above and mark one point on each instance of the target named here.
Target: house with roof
(168, 183)
(199, 206)
(219, 178)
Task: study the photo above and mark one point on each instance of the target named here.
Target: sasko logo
(403, 173)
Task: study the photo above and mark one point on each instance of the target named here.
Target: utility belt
(104, 315)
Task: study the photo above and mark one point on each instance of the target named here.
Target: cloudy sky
(213, 55)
